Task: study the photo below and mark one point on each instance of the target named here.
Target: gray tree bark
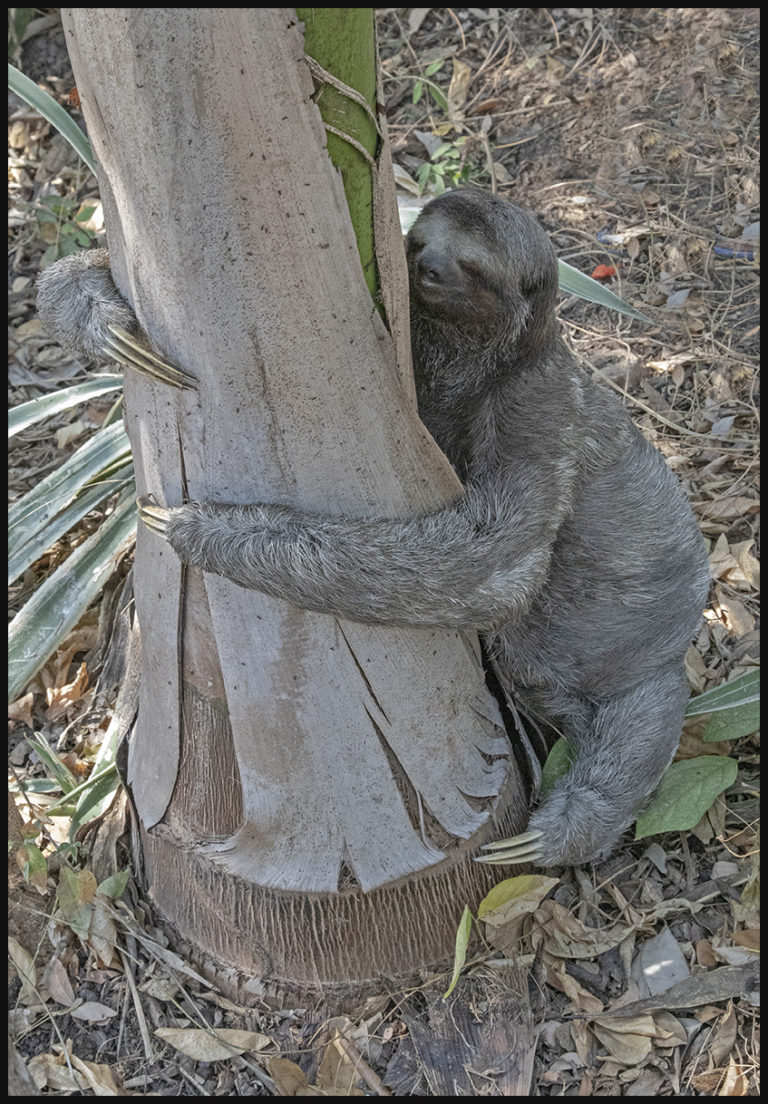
(309, 789)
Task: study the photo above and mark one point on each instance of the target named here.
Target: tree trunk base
(286, 949)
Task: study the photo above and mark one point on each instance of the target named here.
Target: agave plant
(100, 469)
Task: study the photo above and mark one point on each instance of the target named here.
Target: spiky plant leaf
(57, 606)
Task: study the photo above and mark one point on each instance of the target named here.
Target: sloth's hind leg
(617, 765)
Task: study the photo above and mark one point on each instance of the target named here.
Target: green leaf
(434, 67)
(557, 764)
(113, 887)
(28, 413)
(685, 793)
(463, 934)
(54, 609)
(418, 89)
(528, 888)
(53, 112)
(74, 897)
(36, 786)
(68, 516)
(96, 797)
(442, 150)
(50, 508)
(19, 21)
(72, 852)
(739, 691)
(577, 283)
(32, 864)
(80, 790)
(733, 724)
(54, 767)
(438, 94)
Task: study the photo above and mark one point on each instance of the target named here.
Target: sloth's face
(452, 277)
(476, 261)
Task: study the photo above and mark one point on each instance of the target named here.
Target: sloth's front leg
(81, 307)
(475, 564)
(154, 517)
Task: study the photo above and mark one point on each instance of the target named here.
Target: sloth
(80, 306)
(572, 551)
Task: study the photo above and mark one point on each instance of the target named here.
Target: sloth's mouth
(434, 293)
(453, 304)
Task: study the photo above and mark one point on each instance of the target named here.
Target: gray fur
(78, 302)
(573, 550)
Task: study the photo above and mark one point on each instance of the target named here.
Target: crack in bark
(363, 675)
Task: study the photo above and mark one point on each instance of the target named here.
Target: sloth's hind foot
(525, 848)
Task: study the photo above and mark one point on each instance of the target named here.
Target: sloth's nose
(431, 267)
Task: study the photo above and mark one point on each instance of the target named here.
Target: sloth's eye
(472, 268)
(481, 279)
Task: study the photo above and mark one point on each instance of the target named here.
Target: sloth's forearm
(475, 565)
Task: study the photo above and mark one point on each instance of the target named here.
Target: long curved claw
(126, 350)
(525, 848)
(154, 517)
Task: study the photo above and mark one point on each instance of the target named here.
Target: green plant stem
(342, 41)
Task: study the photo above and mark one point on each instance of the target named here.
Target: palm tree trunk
(310, 790)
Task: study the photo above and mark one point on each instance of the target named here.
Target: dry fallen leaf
(61, 698)
(736, 615)
(63, 1072)
(56, 982)
(727, 508)
(25, 968)
(695, 670)
(749, 567)
(290, 1079)
(630, 1047)
(21, 710)
(102, 934)
(93, 1012)
(459, 86)
(561, 934)
(338, 1074)
(581, 998)
(212, 1046)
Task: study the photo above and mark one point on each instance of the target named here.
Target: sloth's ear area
(531, 285)
(537, 284)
